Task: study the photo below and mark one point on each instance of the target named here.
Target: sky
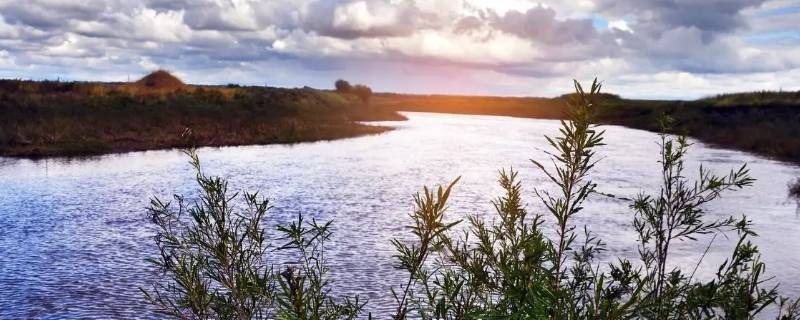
(680, 49)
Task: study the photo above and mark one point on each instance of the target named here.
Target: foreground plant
(510, 269)
(304, 289)
(214, 257)
(676, 214)
(794, 189)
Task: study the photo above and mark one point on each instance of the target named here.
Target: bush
(217, 267)
(794, 189)
(511, 269)
(362, 92)
(500, 269)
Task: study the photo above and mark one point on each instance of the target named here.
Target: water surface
(74, 232)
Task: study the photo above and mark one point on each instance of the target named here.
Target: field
(74, 119)
(765, 123)
(159, 111)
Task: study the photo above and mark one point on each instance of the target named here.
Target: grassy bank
(71, 119)
(765, 123)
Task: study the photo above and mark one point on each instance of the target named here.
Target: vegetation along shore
(53, 118)
(765, 123)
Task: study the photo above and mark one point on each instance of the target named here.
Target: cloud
(221, 16)
(362, 18)
(505, 47)
(468, 24)
(142, 24)
(540, 24)
(50, 14)
(711, 17)
(621, 25)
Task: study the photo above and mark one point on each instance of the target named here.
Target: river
(75, 235)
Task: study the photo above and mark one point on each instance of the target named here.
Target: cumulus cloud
(509, 47)
(362, 18)
(221, 16)
(142, 24)
(50, 14)
(540, 24)
(712, 17)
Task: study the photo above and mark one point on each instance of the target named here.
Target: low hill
(160, 79)
(159, 82)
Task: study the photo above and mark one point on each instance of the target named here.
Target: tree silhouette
(343, 86)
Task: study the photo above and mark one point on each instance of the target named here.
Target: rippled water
(74, 233)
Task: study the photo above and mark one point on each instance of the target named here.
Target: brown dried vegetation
(52, 118)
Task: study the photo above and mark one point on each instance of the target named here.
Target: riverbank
(765, 123)
(48, 118)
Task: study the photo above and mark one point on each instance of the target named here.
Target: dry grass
(72, 118)
(160, 79)
(157, 83)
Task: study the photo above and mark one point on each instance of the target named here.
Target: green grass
(74, 119)
(756, 98)
(765, 128)
(765, 123)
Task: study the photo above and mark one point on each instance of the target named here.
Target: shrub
(362, 92)
(794, 189)
(511, 269)
(216, 264)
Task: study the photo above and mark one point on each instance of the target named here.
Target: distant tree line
(361, 91)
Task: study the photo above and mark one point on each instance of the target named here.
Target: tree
(343, 86)
(363, 92)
